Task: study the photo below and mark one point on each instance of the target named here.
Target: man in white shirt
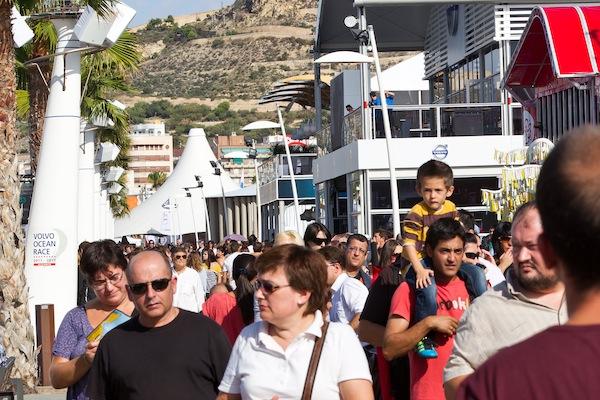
(529, 301)
(190, 292)
(349, 295)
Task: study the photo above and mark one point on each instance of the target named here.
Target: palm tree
(157, 179)
(15, 329)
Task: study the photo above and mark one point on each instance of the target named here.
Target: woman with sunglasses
(103, 265)
(316, 236)
(502, 245)
(270, 358)
(391, 251)
(234, 310)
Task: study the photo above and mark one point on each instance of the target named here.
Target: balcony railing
(277, 167)
(410, 121)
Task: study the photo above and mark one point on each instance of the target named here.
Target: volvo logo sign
(440, 151)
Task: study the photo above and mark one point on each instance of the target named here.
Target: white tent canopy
(407, 75)
(169, 211)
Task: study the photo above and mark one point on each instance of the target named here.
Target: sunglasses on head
(158, 285)
(472, 256)
(183, 256)
(319, 241)
(268, 287)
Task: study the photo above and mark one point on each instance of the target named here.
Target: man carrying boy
(435, 182)
(444, 249)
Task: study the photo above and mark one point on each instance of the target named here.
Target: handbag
(314, 363)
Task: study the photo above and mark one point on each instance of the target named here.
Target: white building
(151, 151)
(463, 116)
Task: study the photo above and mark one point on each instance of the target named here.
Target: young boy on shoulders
(435, 183)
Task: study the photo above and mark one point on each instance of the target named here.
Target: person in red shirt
(444, 248)
(234, 310)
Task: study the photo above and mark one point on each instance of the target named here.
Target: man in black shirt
(164, 352)
(371, 329)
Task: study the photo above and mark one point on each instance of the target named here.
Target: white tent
(407, 75)
(169, 211)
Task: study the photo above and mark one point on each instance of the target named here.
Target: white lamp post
(354, 57)
(226, 218)
(189, 195)
(272, 125)
(51, 249)
(256, 125)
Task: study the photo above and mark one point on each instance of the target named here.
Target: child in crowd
(435, 182)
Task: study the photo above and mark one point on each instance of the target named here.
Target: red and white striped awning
(558, 42)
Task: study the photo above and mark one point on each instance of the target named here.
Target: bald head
(568, 197)
(145, 258)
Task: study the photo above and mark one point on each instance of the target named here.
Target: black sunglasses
(268, 287)
(183, 256)
(472, 256)
(158, 285)
(319, 241)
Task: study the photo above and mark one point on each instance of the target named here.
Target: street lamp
(272, 125)
(218, 173)
(255, 126)
(189, 195)
(201, 187)
(354, 57)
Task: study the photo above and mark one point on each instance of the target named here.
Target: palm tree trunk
(38, 99)
(16, 331)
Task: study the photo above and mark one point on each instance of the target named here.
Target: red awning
(558, 42)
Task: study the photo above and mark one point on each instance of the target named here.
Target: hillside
(235, 53)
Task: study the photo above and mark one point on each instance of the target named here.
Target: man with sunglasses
(163, 352)
(190, 290)
(529, 301)
(475, 255)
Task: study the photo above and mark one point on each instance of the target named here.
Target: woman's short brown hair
(305, 269)
(97, 256)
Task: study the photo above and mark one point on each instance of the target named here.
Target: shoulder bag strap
(314, 363)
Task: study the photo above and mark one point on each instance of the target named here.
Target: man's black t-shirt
(185, 359)
(377, 311)
(560, 363)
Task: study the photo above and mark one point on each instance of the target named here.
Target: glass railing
(410, 121)
(277, 167)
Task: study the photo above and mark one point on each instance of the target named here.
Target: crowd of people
(436, 313)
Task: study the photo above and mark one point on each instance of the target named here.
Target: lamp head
(350, 21)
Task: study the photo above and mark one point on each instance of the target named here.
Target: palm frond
(124, 57)
(22, 103)
(102, 7)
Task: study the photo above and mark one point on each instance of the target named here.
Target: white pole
(225, 211)
(173, 236)
(85, 203)
(51, 249)
(388, 134)
(208, 234)
(193, 219)
(258, 210)
(178, 219)
(291, 172)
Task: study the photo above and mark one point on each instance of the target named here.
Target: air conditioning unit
(103, 31)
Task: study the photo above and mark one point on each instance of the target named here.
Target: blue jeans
(426, 298)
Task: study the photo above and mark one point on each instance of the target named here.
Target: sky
(147, 9)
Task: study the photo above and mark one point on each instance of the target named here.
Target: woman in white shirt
(270, 358)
